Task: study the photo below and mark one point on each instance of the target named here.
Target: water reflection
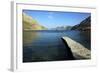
(29, 37)
(86, 38)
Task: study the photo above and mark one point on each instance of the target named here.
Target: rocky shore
(78, 50)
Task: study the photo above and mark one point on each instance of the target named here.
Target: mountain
(62, 28)
(84, 25)
(31, 24)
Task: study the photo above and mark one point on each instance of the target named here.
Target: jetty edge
(78, 50)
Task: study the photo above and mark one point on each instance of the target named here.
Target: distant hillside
(84, 25)
(31, 24)
(62, 28)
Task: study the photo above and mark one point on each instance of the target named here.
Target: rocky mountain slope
(84, 25)
(31, 24)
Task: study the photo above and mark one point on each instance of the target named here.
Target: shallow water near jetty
(47, 45)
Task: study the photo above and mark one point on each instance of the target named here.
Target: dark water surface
(48, 45)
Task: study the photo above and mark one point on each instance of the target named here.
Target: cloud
(50, 15)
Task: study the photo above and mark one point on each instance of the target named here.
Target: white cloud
(50, 15)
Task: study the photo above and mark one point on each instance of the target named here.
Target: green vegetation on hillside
(31, 24)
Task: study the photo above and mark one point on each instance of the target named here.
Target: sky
(52, 19)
